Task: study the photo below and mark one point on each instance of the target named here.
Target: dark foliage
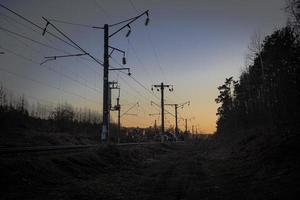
(15, 113)
(267, 93)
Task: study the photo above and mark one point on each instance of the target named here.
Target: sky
(193, 45)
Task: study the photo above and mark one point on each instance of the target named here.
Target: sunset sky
(193, 45)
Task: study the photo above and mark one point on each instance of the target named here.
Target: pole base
(104, 133)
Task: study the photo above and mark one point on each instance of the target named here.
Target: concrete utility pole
(106, 121)
(176, 106)
(161, 88)
(107, 47)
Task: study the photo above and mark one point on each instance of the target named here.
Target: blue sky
(191, 44)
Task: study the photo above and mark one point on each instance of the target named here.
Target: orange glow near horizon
(201, 113)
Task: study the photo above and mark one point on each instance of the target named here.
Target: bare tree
(293, 9)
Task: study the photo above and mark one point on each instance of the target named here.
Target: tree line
(267, 93)
(17, 112)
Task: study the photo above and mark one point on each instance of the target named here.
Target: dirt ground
(193, 170)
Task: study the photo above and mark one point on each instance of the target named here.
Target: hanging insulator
(128, 33)
(147, 21)
(124, 61)
(44, 31)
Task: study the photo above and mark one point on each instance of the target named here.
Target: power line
(49, 69)
(72, 41)
(34, 24)
(48, 85)
(147, 99)
(133, 6)
(30, 39)
(138, 59)
(164, 109)
(70, 23)
(24, 25)
(35, 62)
(91, 68)
(139, 83)
(103, 10)
(133, 89)
(42, 44)
(136, 81)
(29, 59)
(156, 55)
(24, 43)
(143, 99)
(76, 46)
(146, 90)
(151, 43)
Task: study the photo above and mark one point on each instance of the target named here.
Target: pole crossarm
(130, 22)
(64, 56)
(119, 69)
(48, 58)
(68, 38)
(162, 86)
(114, 48)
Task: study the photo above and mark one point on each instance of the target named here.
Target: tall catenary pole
(162, 108)
(176, 122)
(176, 106)
(106, 90)
(161, 87)
(105, 126)
(106, 109)
(119, 118)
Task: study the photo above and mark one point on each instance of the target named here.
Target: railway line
(66, 148)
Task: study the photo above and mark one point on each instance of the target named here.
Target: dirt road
(198, 172)
(166, 171)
